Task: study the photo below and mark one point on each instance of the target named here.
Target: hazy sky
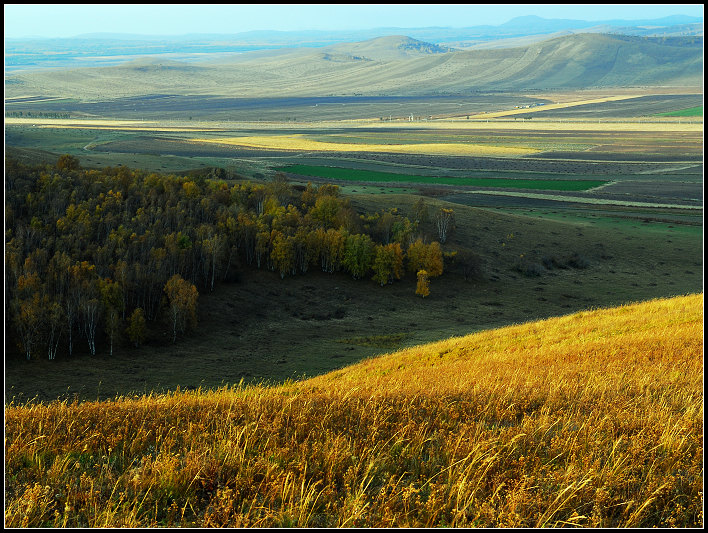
(68, 20)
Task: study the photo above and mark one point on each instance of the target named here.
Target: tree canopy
(96, 255)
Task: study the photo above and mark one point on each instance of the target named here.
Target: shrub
(528, 268)
(578, 261)
(552, 261)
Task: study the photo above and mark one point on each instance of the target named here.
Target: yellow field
(475, 123)
(299, 142)
(548, 107)
(592, 419)
(101, 124)
(73, 122)
(549, 125)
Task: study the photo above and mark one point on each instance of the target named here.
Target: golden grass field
(592, 419)
(100, 124)
(300, 142)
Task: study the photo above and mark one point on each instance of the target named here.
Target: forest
(99, 257)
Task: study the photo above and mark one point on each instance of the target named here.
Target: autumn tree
(182, 298)
(423, 286)
(282, 254)
(444, 223)
(325, 210)
(403, 230)
(67, 162)
(428, 257)
(257, 198)
(27, 317)
(331, 248)
(384, 226)
(358, 255)
(388, 263)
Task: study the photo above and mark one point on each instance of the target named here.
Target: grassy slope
(591, 419)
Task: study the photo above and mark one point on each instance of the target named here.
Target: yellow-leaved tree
(428, 257)
(388, 263)
(182, 297)
(423, 286)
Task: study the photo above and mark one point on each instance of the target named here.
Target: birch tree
(182, 297)
(423, 285)
(444, 222)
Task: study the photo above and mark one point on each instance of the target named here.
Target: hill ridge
(404, 67)
(640, 331)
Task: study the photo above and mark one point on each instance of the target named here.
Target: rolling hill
(390, 66)
(593, 419)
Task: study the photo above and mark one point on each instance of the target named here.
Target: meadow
(591, 419)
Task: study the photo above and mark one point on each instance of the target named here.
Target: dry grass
(561, 105)
(593, 419)
(103, 124)
(300, 142)
(551, 125)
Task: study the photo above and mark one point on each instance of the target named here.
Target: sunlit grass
(548, 107)
(300, 142)
(592, 419)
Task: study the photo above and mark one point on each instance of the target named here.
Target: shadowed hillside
(392, 66)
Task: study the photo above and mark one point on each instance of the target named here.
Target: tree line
(98, 256)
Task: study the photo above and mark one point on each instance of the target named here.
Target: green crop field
(386, 177)
(689, 112)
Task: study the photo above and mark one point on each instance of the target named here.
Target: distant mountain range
(392, 65)
(102, 49)
(516, 27)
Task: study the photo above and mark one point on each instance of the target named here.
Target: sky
(69, 20)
